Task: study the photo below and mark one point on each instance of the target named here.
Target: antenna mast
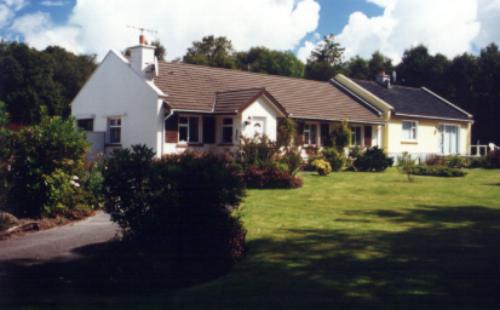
(142, 39)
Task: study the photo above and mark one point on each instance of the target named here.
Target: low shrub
(437, 171)
(177, 207)
(406, 164)
(47, 166)
(293, 160)
(493, 159)
(455, 161)
(374, 159)
(434, 160)
(264, 166)
(477, 162)
(322, 167)
(336, 158)
(270, 177)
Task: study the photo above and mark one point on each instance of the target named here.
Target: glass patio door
(449, 139)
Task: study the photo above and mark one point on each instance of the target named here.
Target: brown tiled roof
(234, 101)
(194, 87)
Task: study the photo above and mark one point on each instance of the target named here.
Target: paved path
(58, 242)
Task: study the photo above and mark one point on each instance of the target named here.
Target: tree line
(31, 79)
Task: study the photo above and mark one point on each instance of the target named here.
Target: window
(86, 124)
(114, 130)
(356, 136)
(310, 132)
(227, 130)
(409, 131)
(189, 129)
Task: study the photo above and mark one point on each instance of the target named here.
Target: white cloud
(51, 3)
(95, 26)
(305, 51)
(39, 31)
(8, 9)
(444, 26)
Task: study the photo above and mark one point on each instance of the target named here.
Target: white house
(173, 107)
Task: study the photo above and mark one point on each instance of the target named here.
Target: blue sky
(362, 26)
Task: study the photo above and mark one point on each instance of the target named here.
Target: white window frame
(307, 128)
(118, 125)
(227, 126)
(411, 139)
(187, 125)
(361, 137)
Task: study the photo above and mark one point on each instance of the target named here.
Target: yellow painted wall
(428, 137)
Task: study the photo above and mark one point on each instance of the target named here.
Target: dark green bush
(178, 206)
(493, 159)
(437, 171)
(47, 168)
(264, 166)
(293, 160)
(477, 162)
(455, 161)
(374, 159)
(341, 136)
(286, 132)
(336, 158)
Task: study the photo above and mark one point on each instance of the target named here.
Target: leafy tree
(31, 80)
(211, 51)
(357, 68)
(47, 175)
(378, 63)
(262, 59)
(325, 60)
(160, 51)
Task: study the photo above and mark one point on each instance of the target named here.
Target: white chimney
(142, 58)
(383, 79)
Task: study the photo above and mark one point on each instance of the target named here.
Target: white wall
(261, 108)
(115, 89)
(428, 137)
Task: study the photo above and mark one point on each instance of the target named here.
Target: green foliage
(341, 136)
(258, 151)
(47, 166)
(378, 63)
(357, 68)
(493, 159)
(455, 161)
(322, 167)
(293, 160)
(211, 51)
(405, 164)
(264, 60)
(325, 60)
(373, 160)
(437, 171)
(286, 132)
(31, 80)
(178, 205)
(335, 158)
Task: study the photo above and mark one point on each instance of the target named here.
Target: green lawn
(366, 240)
(347, 241)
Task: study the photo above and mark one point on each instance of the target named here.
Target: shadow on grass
(99, 274)
(447, 258)
(432, 265)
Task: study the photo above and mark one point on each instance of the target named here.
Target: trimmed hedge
(373, 160)
(437, 171)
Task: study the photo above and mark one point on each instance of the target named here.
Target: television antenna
(142, 38)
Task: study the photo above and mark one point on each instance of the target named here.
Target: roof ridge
(240, 90)
(244, 72)
(392, 85)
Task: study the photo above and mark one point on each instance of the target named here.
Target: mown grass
(354, 241)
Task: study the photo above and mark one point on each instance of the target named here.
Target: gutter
(435, 117)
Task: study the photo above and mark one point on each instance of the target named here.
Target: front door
(368, 136)
(449, 139)
(258, 127)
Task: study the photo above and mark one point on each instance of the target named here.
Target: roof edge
(447, 102)
(365, 102)
(363, 92)
(468, 120)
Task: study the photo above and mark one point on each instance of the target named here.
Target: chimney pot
(142, 39)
